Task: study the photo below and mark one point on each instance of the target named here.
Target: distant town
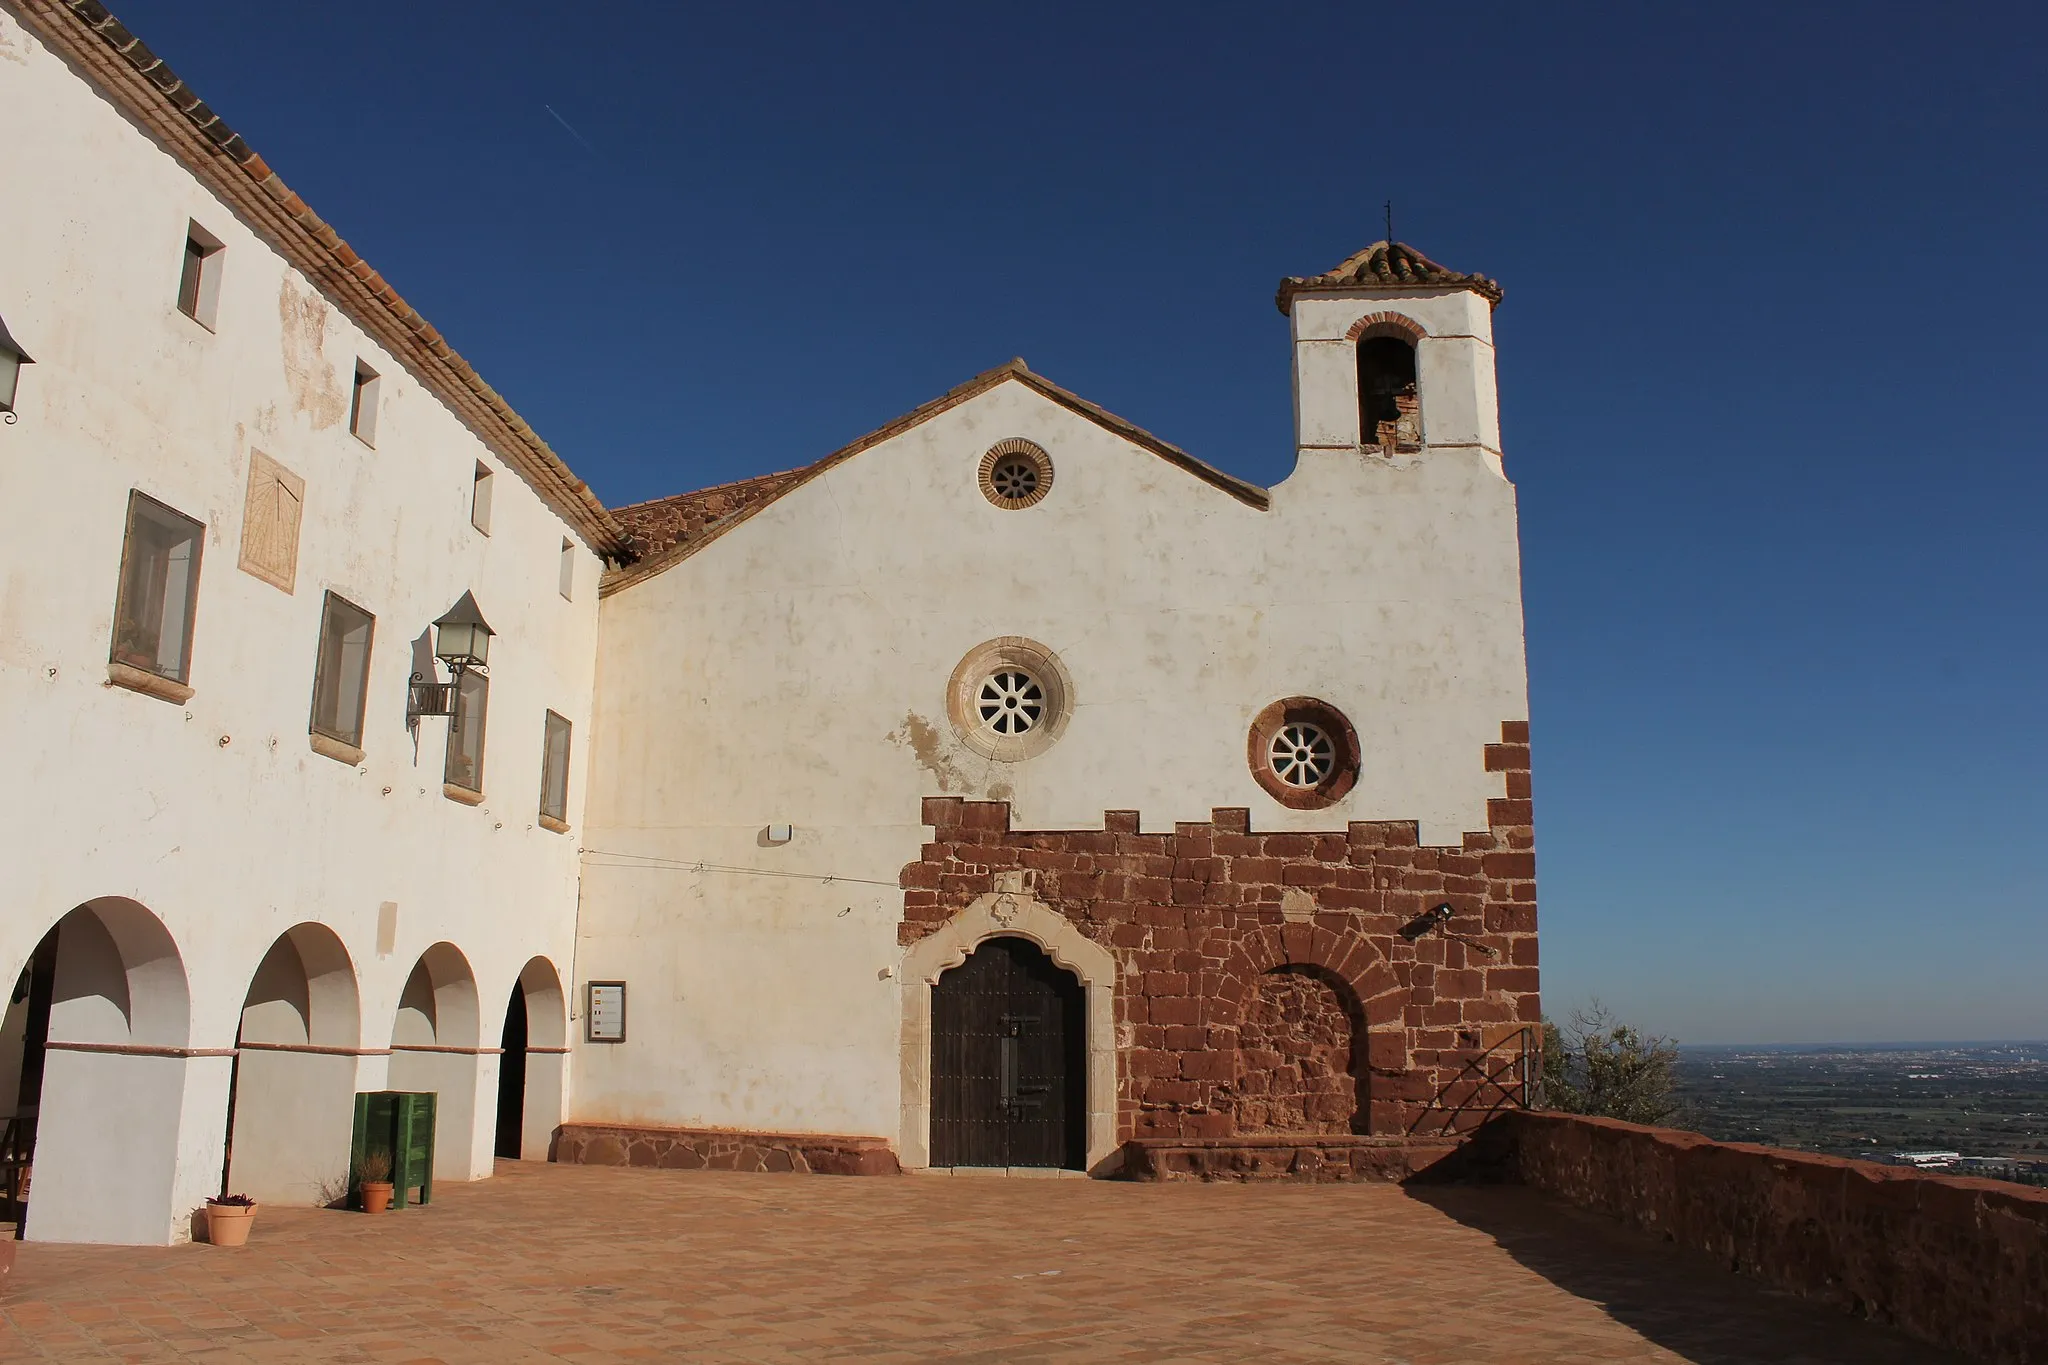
(1976, 1109)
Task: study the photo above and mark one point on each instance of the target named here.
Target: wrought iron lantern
(462, 638)
(462, 642)
(12, 358)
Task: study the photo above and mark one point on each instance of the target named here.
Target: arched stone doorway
(97, 1047)
(531, 1062)
(1010, 911)
(435, 1046)
(291, 1107)
(1301, 1064)
(1009, 1060)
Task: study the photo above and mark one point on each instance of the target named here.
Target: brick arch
(1350, 957)
(1386, 325)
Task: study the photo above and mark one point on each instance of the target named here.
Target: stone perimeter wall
(1198, 918)
(1954, 1261)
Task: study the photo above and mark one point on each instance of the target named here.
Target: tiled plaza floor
(598, 1264)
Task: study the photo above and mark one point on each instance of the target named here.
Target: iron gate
(1009, 1066)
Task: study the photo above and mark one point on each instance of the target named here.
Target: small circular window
(1009, 699)
(1016, 473)
(1303, 752)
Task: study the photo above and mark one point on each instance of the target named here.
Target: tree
(1597, 1065)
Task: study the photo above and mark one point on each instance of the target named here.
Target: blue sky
(1771, 366)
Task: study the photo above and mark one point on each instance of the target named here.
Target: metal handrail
(1514, 1079)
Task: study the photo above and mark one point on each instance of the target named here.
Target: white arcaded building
(247, 478)
(719, 772)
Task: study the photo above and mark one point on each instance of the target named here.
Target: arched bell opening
(533, 1051)
(94, 1065)
(291, 1099)
(1389, 403)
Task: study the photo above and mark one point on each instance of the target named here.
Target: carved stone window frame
(1002, 654)
(1011, 910)
(1343, 774)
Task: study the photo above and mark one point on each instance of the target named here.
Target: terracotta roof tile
(1386, 265)
(657, 526)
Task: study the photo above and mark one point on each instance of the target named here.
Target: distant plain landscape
(1867, 1101)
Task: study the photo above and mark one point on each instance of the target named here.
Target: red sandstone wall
(1959, 1262)
(1210, 1044)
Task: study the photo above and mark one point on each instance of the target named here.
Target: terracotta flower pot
(376, 1196)
(227, 1225)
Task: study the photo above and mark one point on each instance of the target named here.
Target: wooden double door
(1009, 1061)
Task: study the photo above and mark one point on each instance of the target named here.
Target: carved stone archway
(1011, 909)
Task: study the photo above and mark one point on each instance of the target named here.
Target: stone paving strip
(590, 1264)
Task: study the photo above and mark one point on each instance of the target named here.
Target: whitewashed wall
(215, 814)
(794, 671)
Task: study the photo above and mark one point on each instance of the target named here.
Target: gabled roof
(1386, 265)
(666, 531)
(141, 86)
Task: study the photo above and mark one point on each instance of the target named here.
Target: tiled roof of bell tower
(1386, 265)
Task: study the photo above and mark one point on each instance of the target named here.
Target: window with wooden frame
(341, 679)
(465, 767)
(362, 405)
(158, 595)
(199, 276)
(480, 499)
(554, 773)
(270, 522)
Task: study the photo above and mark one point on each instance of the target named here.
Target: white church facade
(1007, 788)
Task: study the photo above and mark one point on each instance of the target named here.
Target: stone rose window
(1016, 473)
(1009, 699)
(1303, 752)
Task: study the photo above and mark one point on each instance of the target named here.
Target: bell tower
(1393, 354)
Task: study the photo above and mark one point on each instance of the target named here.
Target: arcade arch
(532, 1063)
(95, 1040)
(435, 1046)
(291, 1103)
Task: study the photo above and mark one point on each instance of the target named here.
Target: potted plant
(228, 1219)
(374, 1178)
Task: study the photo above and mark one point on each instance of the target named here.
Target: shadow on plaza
(1682, 1300)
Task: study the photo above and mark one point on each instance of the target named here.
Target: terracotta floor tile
(571, 1263)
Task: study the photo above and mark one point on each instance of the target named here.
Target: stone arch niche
(532, 1064)
(1301, 1064)
(1290, 984)
(104, 1075)
(1011, 910)
(291, 1107)
(435, 1045)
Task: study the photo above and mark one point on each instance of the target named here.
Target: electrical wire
(653, 863)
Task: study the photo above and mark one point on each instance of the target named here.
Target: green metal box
(400, 1122)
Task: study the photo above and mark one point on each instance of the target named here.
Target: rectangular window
(554, 770)
(159, 592)
(362, 405)
(199, 279)
(341, 674)
(270, 522)
(466, 733)
(567, 577)
(480, 500)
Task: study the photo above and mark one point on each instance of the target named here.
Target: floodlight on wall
(462, 643)
(1436, 918)
(12, 358)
